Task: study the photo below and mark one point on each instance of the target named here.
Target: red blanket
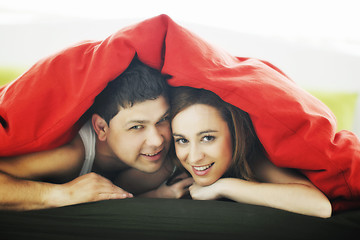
(40, 109)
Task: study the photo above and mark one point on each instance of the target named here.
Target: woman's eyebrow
(207, 131)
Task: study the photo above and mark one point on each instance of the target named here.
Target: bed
(140, 218)
(80, 72)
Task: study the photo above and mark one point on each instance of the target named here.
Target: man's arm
(18, 194)
(63, 162)
(152, 185)
(20, 188)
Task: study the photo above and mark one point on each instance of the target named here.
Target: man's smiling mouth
(153, 156)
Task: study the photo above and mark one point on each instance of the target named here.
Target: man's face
(140, 135)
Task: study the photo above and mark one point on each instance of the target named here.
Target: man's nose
(154, 137)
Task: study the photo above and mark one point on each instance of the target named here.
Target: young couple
(125, 150)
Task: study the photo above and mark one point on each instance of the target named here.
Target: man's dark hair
(136, 84)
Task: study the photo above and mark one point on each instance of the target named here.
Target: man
(125, 143)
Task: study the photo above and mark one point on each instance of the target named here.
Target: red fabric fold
(41, 108)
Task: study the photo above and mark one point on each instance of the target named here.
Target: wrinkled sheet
(141, 218)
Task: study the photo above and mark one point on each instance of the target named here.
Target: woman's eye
(208, 138)
(181, 141)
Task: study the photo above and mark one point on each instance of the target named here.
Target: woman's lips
(202, 170)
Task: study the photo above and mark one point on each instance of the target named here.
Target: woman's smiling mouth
(202, 170)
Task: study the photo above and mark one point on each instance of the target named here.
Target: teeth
(151, 155)
(203, 168)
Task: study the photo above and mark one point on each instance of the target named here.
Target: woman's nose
(195, 155)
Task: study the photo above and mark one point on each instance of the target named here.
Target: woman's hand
(210, 192)
(297, 196)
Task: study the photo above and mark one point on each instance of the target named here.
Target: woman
(217, 144)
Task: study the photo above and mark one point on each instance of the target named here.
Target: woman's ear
(100, 126)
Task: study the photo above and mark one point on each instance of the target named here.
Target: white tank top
(88, 136)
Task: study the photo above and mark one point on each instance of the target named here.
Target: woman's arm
(280, 188)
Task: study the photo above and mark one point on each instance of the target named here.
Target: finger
(100, 185)
(113, 189)
(192, 193)
(185, 183)
(90, 179)
(109, 196)
(183, 175)
(107, 187)
(176, 177)
(192, 187)
(116, 191)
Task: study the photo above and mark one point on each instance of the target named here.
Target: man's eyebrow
(165, 114)
(140, 121)
(136, 121)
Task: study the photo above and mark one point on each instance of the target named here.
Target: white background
(315, 42)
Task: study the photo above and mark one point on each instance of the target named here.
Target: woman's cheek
(180, 153)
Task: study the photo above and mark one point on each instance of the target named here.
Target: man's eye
(181, 141)
(208, 138)
(137, 127)
(165, 119)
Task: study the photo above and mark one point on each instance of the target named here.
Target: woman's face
(202, 143)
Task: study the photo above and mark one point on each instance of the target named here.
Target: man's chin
(152, 167)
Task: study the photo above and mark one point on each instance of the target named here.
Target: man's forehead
(149, 110)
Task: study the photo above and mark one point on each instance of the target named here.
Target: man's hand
(87, 188)
(176, 190)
